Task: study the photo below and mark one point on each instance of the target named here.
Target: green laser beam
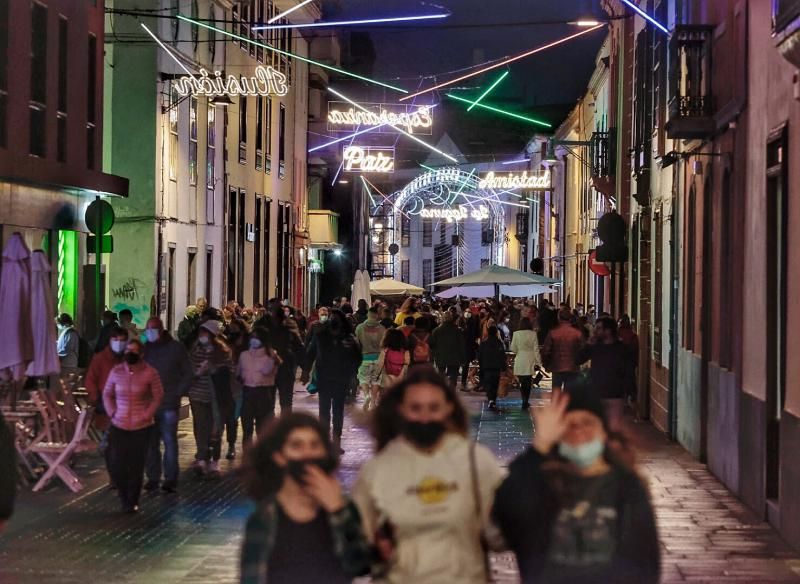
(504, 112)
(463, 184)
(288, 54)
(427, 167)
(488, 91)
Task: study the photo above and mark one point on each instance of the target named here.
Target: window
(191, 274)
(442, 232)
(212, 36)
(61, 122)
(243, 28)
(427, 232)
(38, 101)
(260, 19)
(4, 9)
(195, 28)
(427, 273)
(173, 133)
(285, 250)
(211, 151)
(405, 230)
(659, 85)
(487, 232)
(241, 236)
(282, 142)
(242, 129)
(259, 131)
(268, 134)
(193, 141)
(91, 108)
(405, 269)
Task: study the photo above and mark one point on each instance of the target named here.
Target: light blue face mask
(582, 455)
(152, 335)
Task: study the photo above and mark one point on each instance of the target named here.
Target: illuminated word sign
(344, 117)
(517, 180)
(366, 159)
(266, 81)
(449, 175)
(451, 214)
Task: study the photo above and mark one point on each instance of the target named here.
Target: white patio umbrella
(16, 350)
(45, 356)
(494, 281)
(390, 287)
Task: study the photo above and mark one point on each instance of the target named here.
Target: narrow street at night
(399, 292)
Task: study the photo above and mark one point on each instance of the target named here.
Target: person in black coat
(337, 355)
(286, 341)
(492, 359)
(572, 508)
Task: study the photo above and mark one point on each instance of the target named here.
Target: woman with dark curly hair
(303, 528)
(425, 496)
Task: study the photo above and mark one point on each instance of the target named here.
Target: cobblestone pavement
(194, 537)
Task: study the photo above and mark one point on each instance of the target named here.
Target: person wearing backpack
(492, 359)
(392, 364)
(419, 343)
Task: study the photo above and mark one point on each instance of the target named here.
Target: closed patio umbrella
(45, 356)
(16, 350)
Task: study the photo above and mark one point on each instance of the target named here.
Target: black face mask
(423, 434)
(297, 468)
(132, 358)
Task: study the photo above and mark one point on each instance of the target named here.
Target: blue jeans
(166, 431)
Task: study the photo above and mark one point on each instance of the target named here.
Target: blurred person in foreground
(303, 528)
(591, 519)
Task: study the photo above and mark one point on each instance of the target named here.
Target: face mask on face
(423, 434)
(152, 335)
(255, 344)
(323, 318)
(204, 340)
(132, 358)
(582, 455)
(297, 468)
(118, 347)
(468, 315)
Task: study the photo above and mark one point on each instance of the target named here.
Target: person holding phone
(303, 528)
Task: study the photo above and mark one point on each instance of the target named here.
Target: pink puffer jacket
(132, 395)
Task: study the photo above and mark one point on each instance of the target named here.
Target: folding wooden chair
(57, 455)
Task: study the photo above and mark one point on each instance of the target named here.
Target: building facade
(703, 118)
(51, 141)
(218, 181)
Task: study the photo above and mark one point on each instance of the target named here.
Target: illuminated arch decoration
(452, 195)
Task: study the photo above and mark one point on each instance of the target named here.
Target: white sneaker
(213, 467)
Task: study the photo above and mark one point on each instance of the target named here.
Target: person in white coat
(425, 497)
(525, 346)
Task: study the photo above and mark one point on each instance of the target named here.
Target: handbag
(476, 496)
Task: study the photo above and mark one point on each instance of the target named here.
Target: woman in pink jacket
(131, 397)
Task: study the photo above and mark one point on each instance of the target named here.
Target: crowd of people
(431, 503)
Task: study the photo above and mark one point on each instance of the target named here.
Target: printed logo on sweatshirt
(432, 490)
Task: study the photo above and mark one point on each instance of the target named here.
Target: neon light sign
(417, 120)
(515, 180)
(366, 159)
(266, 81)
(451, 214)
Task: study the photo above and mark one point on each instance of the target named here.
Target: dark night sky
(558, 75)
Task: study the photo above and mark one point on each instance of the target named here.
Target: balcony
(602, 150)
(786, 29)
(691, 107)
(323, 229)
